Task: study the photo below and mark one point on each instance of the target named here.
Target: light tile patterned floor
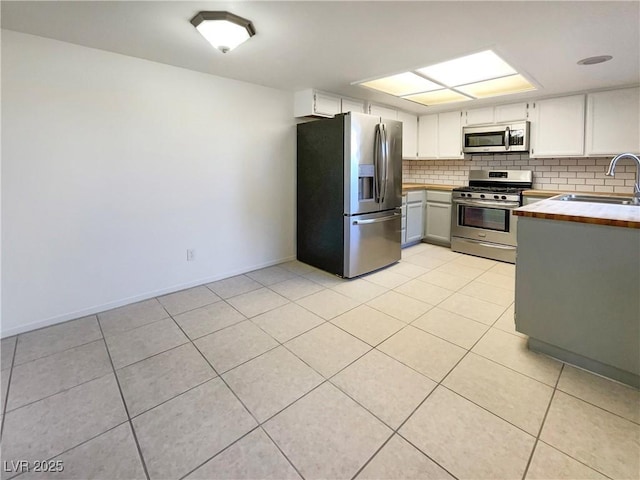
(415, 372)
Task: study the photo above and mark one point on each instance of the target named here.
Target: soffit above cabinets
(326, 45)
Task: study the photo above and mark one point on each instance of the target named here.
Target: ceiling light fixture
(595, 60)
(479, 75)
(224, 30)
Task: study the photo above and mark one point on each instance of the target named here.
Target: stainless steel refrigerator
(349, 193)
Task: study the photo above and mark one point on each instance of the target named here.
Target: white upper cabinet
(479, 116)
(313, 103)
(511, 113)
(409, 134)
(384, 112)
(557, 127)
(428, 136)
(450, 135)
(349, 105)
(613, 124)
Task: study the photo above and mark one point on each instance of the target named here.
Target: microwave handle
(507, 138)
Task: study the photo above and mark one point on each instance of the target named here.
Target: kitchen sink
(610, 200)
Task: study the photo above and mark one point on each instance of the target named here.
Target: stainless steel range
(482, 220)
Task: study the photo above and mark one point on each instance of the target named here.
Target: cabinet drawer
(417, 196)
(437, 196)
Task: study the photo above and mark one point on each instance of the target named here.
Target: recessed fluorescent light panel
(479, 75)
(224, 30)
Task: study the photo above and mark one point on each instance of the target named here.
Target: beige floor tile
(230, 287)
(489, 293)
(211, 318)
(184, 300)
(473, 308)
(497, 280)
(424, 292)
(290, 320)
(4, 385)
(326, 435)
(384, 386)
(327, 349)
(506, 322)
(466, 440)
(252, 457)
(424, 260)
(54, 339)
(548, 463)
(423, 352)
(270, 275)
(47, 428)
(386, 278)
(360, 290)
(445, 280)
(512, 352)
(257, 301)
(400, 306)
(96, 459)
(181, 434)
(447, 325)
(599, 439)
(444, 253)
(47, 376)
(228, 348)
(601, 392)
(475, 262)
(328, 304)
(398, 459)
(137, 344)
(325, 279)
(157, 379)
(369, 325)
(7, 348)
(516, 398)
(407, 269)
(272, 381)
(296, 288)
(501, 268)
(415, 249)
(131, 316)
(454, 268)
(297, 267)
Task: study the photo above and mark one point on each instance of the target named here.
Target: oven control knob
(504, 197)
(497, 197)
(481, 196)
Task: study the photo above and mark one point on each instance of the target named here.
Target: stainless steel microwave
(500, 137)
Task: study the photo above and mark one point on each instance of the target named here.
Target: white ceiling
(329, 45)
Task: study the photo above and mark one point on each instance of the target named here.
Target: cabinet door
(479, 116)
(352, 106)
(438, 223)
(428, 136)
(414, 222)
(558, 127)
(326, 105)
(511, 113)
(409, 134)
(384, 112)
(613, 122)
(450, 135)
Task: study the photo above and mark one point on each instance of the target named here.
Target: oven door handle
(486, 203)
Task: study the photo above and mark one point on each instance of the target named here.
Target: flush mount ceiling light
(595, 60)
(224, 30)
(479, 75)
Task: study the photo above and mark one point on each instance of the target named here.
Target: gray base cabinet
(577, 294)
(413, 224)
(438, 218)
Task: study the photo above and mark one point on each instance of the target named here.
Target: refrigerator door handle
(377, 152)
(385, 148)
(376, 220)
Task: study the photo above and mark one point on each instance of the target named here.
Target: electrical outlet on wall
(190, 254)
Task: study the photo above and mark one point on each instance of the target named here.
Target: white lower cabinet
(437, 227)
(414, 225)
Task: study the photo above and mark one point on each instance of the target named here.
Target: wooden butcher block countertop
(583, 212)
(406, 187)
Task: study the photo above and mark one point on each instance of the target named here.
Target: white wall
(113, 166)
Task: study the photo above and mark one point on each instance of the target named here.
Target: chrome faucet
(612, 168)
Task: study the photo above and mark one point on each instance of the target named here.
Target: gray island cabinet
(578, 285)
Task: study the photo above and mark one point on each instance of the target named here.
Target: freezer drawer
(372, 241)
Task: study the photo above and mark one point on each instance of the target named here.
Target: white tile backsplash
(585, 174)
